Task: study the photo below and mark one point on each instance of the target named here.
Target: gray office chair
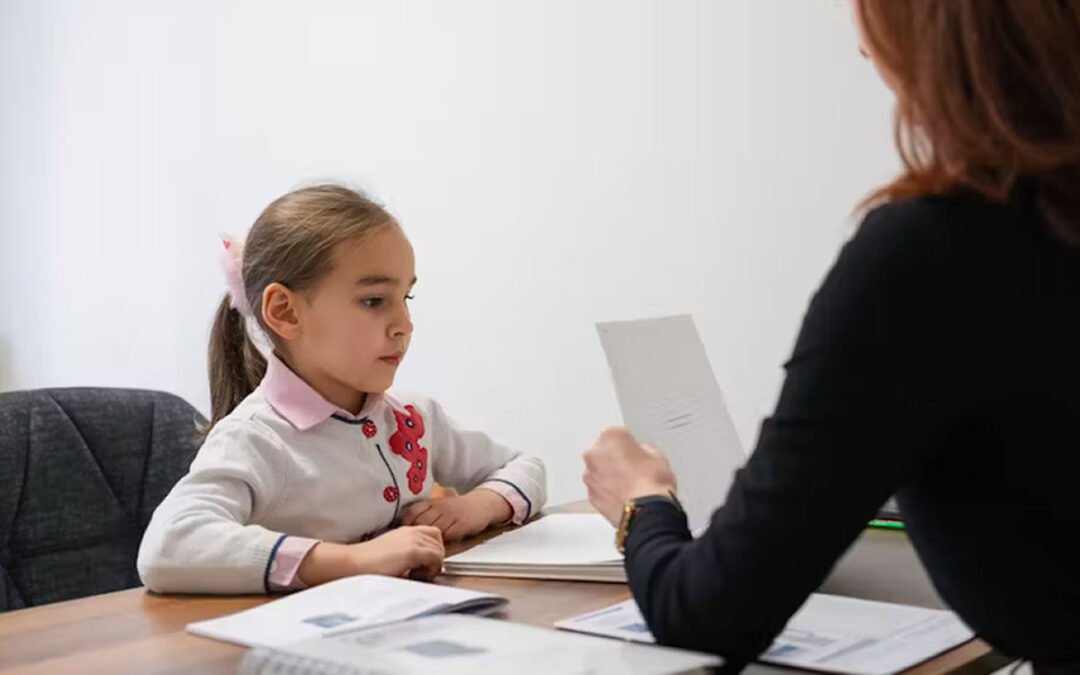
(81, 472)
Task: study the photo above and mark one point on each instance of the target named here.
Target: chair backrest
(81, 472)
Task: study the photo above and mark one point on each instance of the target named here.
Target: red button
(369, 429)
(390, 494)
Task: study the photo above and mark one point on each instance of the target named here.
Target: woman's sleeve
(865, 402)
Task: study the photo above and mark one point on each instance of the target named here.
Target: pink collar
(297, 401)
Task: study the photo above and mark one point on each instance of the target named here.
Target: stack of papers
(829, 633)
(467, 645)
(352, 602)
(573, 546)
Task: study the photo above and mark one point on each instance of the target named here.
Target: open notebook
(468, 645)
(830, 633)
(352, 602)
(574, 546)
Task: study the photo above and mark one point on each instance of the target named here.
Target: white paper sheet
(465, 645)
(623, 621)
(670, 398)
(829, 633)
(351, 602)
(555, 539)
(846, 635)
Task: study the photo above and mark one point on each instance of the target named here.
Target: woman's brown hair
(988, 99)
(291, 243)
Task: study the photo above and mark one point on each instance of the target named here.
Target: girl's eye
(372, 302)
(410, 296)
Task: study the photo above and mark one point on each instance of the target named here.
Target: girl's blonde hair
(291, 243)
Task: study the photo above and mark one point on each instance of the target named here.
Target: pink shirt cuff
(517, 500)
(285, 567)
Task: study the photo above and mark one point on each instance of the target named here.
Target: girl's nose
(402, 328)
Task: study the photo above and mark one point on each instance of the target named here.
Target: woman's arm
(866, 402)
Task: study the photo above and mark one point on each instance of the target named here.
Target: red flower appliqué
(406, 443)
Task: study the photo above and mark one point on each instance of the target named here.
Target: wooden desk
(138, 632)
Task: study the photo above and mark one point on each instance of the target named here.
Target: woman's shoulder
(949, 221)
(942, 238)
(947, 261)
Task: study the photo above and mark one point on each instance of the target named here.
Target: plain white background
(555, 162)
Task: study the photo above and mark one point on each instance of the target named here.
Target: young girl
(311, 471)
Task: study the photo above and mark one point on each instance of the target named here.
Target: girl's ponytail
(235, 364)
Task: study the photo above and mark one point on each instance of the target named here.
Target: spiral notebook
(454, 644)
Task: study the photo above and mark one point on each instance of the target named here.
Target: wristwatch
(630, 509)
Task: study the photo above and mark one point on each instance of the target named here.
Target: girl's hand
(618, 469)
(415, 552)
(460, 517)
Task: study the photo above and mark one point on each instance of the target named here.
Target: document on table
(454, 644)
(669, 398)
(829, 633)
(365, 600)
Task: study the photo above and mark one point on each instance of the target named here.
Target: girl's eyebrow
(379, 279)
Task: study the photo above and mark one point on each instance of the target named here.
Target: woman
(939, 361)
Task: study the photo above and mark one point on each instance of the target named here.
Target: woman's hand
(618, 469)
(460, 517)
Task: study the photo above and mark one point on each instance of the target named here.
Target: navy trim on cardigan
(528, 502)
(270, 562)
(349, 420)
(393, 477)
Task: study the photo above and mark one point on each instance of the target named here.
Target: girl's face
(354, 326)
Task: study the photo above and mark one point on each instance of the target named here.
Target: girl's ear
(280, 311)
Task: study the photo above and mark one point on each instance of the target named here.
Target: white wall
(556, 163)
